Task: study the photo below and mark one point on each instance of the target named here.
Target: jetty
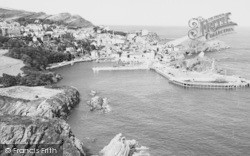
(208, 84)
(180, 78)
(201, 84)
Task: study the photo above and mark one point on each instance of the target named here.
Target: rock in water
(96, 103)
(99, 103)
(93, 93)
(106, 108)
(119, 146)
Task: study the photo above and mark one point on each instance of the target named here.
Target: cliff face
(36, 131)
(57, 105)
(65, 18)
(30, 116)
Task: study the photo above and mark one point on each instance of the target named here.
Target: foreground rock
(119, 146)
(38, 101)
(99, 103)
(36, 131)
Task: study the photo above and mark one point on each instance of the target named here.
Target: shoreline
(46, 101)
(139, 44)
(35, 115)
(78, 60)
(205, 85)
(66, 63)
(142, 67)
(175, 80)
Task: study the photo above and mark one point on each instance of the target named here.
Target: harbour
(109, 78)
(145, 103)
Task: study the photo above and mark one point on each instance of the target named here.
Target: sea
(170, 120)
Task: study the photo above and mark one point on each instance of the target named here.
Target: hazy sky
(139, 12)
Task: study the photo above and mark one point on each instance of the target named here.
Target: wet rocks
(120, 146)
(56, 78)
(99, 103)
(93, 93)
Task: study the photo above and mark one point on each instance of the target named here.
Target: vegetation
(25, 21)
(110, 31)
(37, 55)
(68, 36)
(8, 80)
(36, 59)
(31, 78)
(7, 43)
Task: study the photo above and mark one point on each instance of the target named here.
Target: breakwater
(184, 83)
(208, 85)
(164, 117)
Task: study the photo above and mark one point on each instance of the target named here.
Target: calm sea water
(170, 120)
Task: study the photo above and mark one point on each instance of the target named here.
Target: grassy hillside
(64, 18)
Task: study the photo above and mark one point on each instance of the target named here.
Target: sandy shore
(9, 65)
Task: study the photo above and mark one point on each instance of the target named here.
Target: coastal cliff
(30, 119)
(38, 101)
(35, 131)
(30, 115)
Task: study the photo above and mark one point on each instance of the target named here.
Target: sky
(138, 12)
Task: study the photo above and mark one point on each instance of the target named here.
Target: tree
(8, 80)
(68, 36)
(3, 39)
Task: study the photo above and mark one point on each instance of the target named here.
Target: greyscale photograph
(124, 78)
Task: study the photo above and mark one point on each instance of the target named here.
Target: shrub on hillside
(8, 80)
(35, 78)
(32, 56)
(68, 36)
(32, 78)
(37, 57)
(4, 39)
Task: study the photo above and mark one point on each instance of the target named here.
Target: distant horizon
(238, 26)
(3, 7)
(174, 13)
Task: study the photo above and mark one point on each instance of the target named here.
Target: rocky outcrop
(99, 103)
(29, 117)
(92, 93)
(119, 146)
(17, 131)
(59, 104)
